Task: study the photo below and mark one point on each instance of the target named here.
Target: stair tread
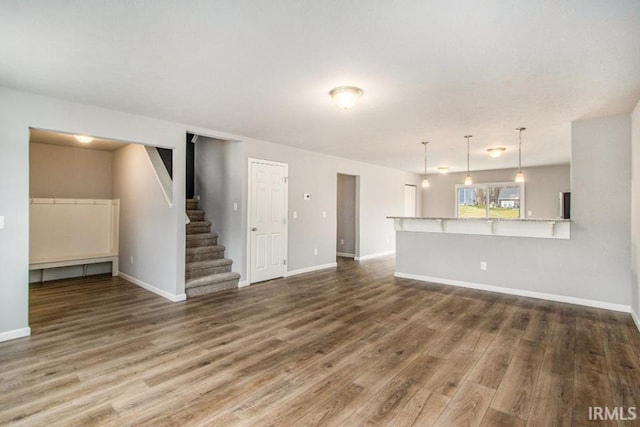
(198, 223)
(214, 278)
(204, 249)
(210, 263)
(202, 236)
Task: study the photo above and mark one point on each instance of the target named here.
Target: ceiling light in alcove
(496, 152)
(346, 97)
(443, 170)
(84, 138)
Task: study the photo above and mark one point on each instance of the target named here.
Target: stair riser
(207, 256)
(191, 205)
(208, 289)
(196, 216)
(199, 229)
(201, 272)
(212, 241)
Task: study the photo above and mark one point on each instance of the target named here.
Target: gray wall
(542, 186)
(70, 172)
(593, 264)
(635, 209)
(145, 215)
(346, 214)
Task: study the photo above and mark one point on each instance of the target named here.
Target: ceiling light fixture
(468, 180)
(520, 175)
(443, 170)
(84, 138)
(425, 180)
(346, 97)
(496, 152)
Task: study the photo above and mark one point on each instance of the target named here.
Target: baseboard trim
(346, 255)
(376, 255)
(15, 334)
(310, 269)
(518, 292)
(243, 283)
(635, 318)
(171, 297)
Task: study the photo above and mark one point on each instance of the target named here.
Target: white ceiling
(39, 136)
(433, 70)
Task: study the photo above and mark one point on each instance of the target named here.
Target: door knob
(254, 229)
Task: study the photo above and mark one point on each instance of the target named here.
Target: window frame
(485, 186)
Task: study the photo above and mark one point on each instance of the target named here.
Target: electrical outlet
(131, 259)
(483, 265)
(1, 222)
(235, 206)
(529, 213)
(295, 214)
(324, 214)
(315, 251)
(342, 241)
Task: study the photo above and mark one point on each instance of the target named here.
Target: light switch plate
(1, 222)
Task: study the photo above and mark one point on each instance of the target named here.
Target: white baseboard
(346, 255)
(14, 334)
(310, 269)
(171, 297)
(518, 292)
(243, 283)
(377, 255)
(636, 319)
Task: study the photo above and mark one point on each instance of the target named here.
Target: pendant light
(425, 180)
(520, 175)
(468, 180)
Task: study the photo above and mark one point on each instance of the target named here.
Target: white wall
(19, 111)
(69, 172)
(346, 214)
(541, 189)
(145, 215)
(635, 210)
(593, 265)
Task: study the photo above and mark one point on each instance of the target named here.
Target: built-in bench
(85, 262)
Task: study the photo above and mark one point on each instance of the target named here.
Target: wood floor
(348, 347)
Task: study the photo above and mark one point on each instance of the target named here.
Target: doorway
(347, 216)
(267, 210)
(410, 196)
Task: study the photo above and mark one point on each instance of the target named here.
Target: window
(497, 200)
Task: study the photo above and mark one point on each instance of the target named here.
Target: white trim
(310, 269)
(243, 283)
(161, 173)
(250, 161)
(635, 318)
(14, 334)
(376, 255)
(518, 292)
(346, 255)
(171, 297)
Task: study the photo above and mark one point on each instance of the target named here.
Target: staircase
(206, 268)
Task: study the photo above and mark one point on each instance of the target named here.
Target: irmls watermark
(618, 413)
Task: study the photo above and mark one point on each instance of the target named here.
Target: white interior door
(410, 200)
(267, 219)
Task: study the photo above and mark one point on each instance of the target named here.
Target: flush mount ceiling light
(425, 180)
(84, 139)
(468, 180)
(496, 152)
(520, 175)
(443, 170)
(346, 97)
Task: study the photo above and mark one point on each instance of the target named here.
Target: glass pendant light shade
(468, 180)
(520, 175)
(425, 180)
